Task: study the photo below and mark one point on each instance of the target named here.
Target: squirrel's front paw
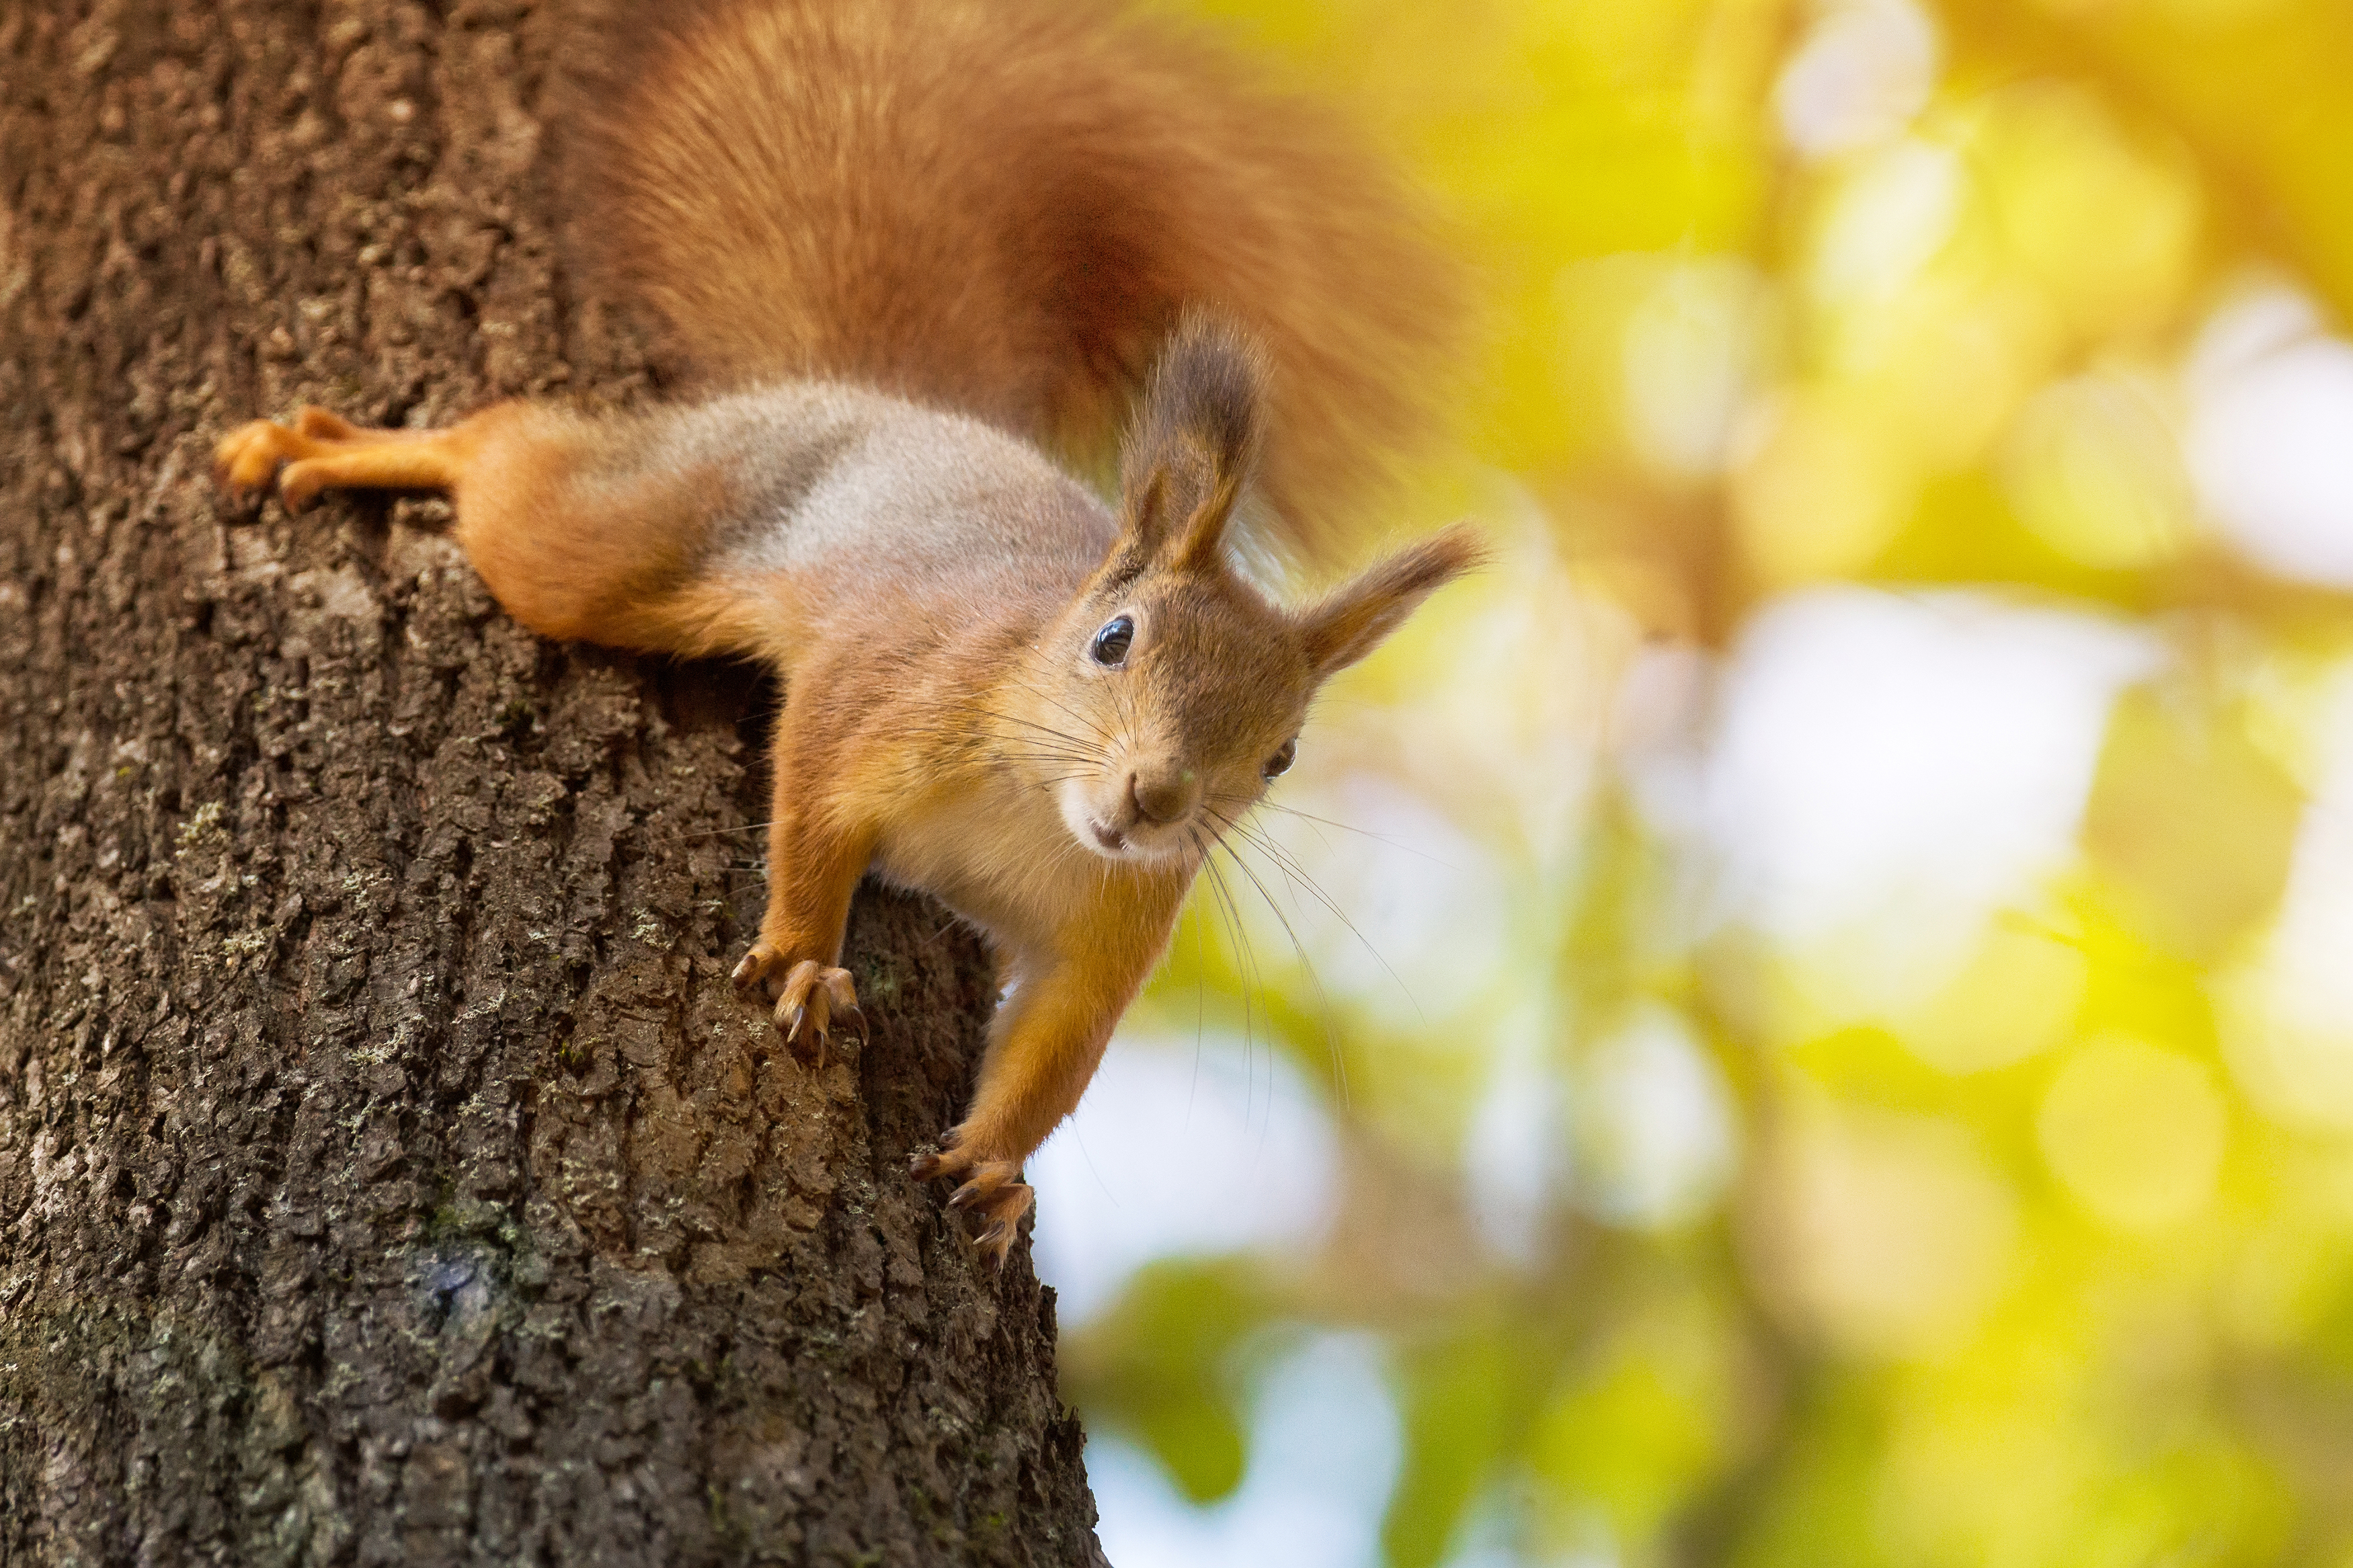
(992, 1190)
(811, 999)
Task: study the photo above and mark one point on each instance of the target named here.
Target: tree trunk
(387, 1173)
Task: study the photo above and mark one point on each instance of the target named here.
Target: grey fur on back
(828, 472)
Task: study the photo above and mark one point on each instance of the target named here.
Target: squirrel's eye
(1280, 761)
(1109, 647)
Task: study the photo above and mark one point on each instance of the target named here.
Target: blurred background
(1806, 1016)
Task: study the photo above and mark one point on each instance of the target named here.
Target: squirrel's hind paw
(321, 451)
(248, 457)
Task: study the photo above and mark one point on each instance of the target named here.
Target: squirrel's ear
(1193, 442)
(1352, 621)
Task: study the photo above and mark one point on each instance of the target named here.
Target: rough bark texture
(386, 1171)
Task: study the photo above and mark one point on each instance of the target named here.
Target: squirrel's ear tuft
(1193, 442)
(1353, 620)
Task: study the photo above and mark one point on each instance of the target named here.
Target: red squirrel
(912, 249)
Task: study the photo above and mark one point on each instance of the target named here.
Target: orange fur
(1003, 209)
(1041, 709)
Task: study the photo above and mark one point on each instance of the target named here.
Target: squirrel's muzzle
(1164, 796)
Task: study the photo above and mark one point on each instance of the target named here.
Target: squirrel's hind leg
(321, 452)
(586, 527)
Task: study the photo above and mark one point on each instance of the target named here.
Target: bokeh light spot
(1888, 1234)
(2094, 472)
(2136, 1132)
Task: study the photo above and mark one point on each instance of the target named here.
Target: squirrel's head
(1170, 693)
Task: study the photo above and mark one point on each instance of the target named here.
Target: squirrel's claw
(992, 1190)
(795, 1015)
(758, 960)
(842, 996)
(807, 1003)
(1004, 1211)
(945, 1161)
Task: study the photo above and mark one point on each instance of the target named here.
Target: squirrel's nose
(1164, 797)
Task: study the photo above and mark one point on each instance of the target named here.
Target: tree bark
(387, 1173)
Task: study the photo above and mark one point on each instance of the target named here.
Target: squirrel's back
(1002, 208)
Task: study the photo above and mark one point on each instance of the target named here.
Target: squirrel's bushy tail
(1002, 207)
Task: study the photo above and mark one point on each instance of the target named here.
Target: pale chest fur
(996, 852)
